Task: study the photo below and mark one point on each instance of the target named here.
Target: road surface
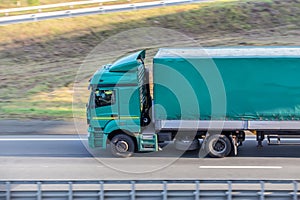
(40, 157)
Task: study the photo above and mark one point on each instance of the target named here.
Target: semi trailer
(201, 98)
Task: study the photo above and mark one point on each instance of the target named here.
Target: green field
(39, 61)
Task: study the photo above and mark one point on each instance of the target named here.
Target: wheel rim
(219, 146)
(122, 146)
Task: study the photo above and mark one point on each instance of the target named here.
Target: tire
(218, 146)
(122, 146)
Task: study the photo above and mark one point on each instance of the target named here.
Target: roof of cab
(128, 63)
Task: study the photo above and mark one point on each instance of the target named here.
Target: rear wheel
(218, 146)
(122, 146)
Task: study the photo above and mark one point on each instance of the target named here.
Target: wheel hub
(219, 146)
(122, 146)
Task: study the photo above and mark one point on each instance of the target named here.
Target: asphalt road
(39, 157)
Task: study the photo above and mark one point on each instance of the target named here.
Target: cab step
(148, 142)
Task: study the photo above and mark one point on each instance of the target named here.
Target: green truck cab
(203, 98)
(119, 105)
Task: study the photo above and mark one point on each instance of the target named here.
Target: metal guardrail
(95, 10)
(150, 189)
(57, 5)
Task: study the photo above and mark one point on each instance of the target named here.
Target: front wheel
(218, 146)
(122, 146)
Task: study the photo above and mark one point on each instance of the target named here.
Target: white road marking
(42, 139)
(240, 167)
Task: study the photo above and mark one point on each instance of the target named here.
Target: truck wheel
(218, 146)
(122, 146)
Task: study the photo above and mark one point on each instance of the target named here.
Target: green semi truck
(201, 98)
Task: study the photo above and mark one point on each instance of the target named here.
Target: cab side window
(104, 97)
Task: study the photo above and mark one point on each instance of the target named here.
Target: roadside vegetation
(39, 61)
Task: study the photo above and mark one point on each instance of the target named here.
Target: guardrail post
(229, 193)
(295, 195)
(101, 193)
(132, 193)
(39, 191)
(102, 10)
(262, 190)
(70, 194)
(197, 191)
(8, 190)
(165, 192)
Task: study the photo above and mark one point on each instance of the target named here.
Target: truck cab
(119, 105)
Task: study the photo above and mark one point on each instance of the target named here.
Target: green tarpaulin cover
(227, 83)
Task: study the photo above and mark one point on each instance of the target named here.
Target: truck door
(106, 106)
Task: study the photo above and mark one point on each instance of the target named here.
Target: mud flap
(234, 144)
